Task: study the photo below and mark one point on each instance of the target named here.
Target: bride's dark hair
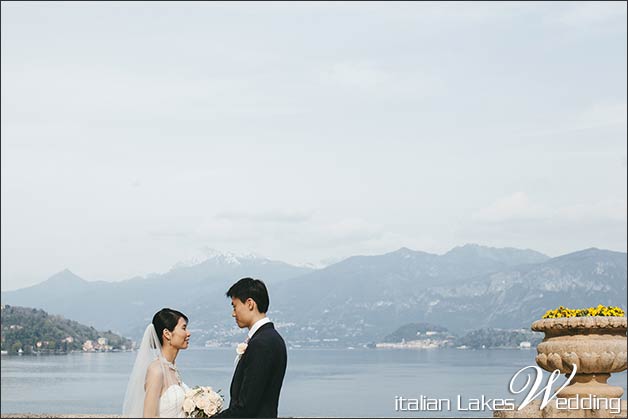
(166, 318)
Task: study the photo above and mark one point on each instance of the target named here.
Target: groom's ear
(250, 303)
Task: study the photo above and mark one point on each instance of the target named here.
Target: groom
(262, 360)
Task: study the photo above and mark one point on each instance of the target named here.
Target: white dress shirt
(261, 322)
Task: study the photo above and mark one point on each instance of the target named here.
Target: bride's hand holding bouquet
(202, 402)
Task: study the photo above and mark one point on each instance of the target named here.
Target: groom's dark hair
(250, 288)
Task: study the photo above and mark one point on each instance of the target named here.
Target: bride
(155, 388)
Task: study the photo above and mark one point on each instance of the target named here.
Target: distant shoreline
(379, 346)
(35, 354)
(374, 346)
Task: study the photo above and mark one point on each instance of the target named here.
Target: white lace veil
(149, 352)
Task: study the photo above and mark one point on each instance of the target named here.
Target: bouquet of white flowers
(202, 402)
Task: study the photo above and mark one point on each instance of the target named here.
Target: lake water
(327, 383)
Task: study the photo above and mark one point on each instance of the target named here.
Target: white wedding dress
(171, 402)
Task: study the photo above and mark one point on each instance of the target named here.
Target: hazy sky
(134, 134)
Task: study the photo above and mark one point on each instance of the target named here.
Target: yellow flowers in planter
(600, 310)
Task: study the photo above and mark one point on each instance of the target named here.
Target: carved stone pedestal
(595, 345)
(597, 348)
(533, 410)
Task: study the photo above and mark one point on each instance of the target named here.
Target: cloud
(610, 209)
(514, 206)
(265, 217)
(295, 227)
(591, 13)
(215, 230)
(603, 114)
(168, 234)
(553, 236)
(516, 220)
(595, 116)
(350, 230)
(518, 206)
(353, 73)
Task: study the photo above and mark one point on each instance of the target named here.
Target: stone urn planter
(596, 345)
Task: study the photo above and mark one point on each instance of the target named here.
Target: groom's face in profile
(242, 312)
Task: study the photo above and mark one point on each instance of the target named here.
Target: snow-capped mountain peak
(224, 258)
(321, 264)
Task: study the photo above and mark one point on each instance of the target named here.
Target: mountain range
(358, 300)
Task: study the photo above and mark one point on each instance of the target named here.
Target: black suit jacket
(258, 376)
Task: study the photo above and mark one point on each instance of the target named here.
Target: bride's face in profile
(180, 336)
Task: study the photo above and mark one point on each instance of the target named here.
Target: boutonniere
(241, 348)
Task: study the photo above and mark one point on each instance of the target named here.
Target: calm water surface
(357, 383)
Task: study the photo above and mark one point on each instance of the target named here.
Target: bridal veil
(148, 355)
